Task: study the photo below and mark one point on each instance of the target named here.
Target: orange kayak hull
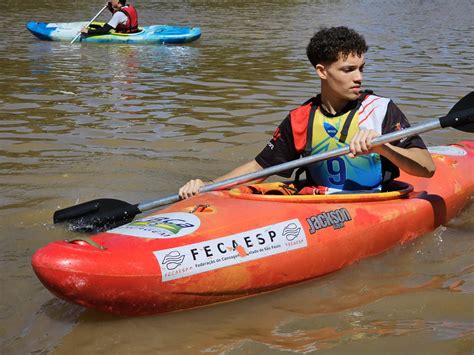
(234, 244)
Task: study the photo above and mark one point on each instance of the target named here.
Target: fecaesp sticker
(163, 226)
(234, 249)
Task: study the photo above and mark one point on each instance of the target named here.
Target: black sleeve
(99, 30)
(395, 120)
(280, 149)
(109, 7)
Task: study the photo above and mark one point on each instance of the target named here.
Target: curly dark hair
(328, 43)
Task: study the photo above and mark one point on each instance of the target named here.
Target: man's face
(115, 4)
(343, 78)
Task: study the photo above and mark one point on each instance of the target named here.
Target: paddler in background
(124, 20)
(341, 115)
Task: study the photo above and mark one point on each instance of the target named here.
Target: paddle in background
(103, 214)
(93, 19)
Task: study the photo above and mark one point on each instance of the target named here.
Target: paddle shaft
(98, 14)
(242, 179)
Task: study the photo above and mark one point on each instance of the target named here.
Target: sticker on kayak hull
(333, 218)
(447, 150)
(162, 226)
(231, 250)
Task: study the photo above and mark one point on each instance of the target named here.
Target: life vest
(314, 133)
(132, 20)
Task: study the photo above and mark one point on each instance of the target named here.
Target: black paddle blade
(461, 116)
(97, 215)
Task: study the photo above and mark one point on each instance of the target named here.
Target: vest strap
(347, 123)
(309, 139)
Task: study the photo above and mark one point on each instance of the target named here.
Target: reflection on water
(134, 122)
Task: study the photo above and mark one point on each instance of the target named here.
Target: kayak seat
(270, 188)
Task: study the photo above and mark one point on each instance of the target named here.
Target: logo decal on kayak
(291, 232)
(172, 260)
(231, 250)
(162, 226)
(334, 218)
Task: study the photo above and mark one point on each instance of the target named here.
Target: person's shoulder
(371, 97)
(371, 101)
(307, 105)
(373, 109)
(119, 15)
(300, 115)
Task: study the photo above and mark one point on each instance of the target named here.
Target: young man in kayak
(124, 20)
(341, 115)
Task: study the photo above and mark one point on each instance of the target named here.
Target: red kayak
(225, 245)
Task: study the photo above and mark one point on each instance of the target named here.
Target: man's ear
(321, 71)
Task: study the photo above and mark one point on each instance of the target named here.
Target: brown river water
(79, 122)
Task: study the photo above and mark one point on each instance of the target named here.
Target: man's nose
(357, 76)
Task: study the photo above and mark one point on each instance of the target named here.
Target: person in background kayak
(342, 114)
(124, 20)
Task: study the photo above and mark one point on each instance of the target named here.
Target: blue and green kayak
(155, 34)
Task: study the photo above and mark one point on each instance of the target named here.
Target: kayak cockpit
(289, 192)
